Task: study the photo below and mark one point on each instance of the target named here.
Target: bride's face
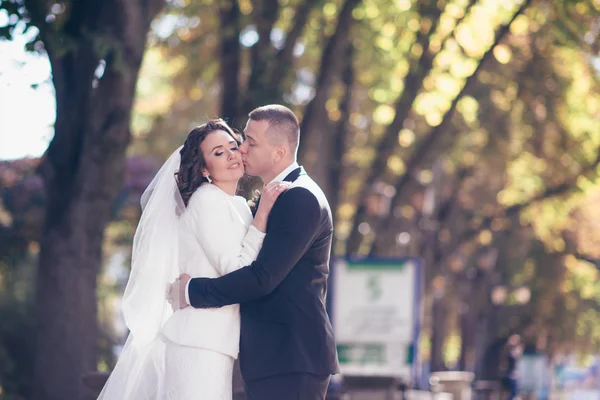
(222, 157)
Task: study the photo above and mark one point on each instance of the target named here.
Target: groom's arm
(293, 224)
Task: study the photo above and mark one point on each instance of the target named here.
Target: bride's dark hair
(190, 177)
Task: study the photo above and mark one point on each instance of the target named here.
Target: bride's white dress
(203, 343)
(191, 352)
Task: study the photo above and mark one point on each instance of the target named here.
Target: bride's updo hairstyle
(189, 177)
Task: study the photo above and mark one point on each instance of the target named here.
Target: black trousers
(300, 386)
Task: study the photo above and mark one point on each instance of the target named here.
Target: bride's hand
(176, 292)
(270, 194)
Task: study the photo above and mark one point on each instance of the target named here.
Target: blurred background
(463, 134)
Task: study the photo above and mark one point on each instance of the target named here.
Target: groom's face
(258, 154)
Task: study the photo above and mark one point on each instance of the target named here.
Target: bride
(192, 222)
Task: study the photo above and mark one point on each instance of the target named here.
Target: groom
(287, 348)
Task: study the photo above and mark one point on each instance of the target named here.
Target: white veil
(154, 264)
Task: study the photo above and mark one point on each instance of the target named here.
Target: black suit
(285, 330)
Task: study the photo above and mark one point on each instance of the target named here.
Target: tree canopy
(464, 132)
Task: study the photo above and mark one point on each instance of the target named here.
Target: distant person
(513, 354)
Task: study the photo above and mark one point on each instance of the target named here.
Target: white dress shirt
(285, 172)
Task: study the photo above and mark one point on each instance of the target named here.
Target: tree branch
(427, 144)
(37, 11)
(517, 208)
(152, 7)
(283, 59)
(446, 206)
(328, 68)
(265, 15)
(413, 82)
(230, 29)
(460, 20)
(341, 130)
(586, 258)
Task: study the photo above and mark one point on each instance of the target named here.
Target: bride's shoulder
(242, 204)
(241, 200)
(206, 193)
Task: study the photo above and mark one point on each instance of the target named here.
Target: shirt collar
(285, 172)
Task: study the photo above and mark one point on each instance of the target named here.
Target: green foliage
(16, 13)
(20, 209)
(523, 129)
(17, 331)
(519, 155)
(21, 217)
(502, 95)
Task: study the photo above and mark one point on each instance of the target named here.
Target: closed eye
(220, 153)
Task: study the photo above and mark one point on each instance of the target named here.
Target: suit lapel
(291, 177)
(255, 208)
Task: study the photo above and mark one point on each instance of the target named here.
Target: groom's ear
(281, 152)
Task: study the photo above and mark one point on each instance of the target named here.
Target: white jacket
(216, 237)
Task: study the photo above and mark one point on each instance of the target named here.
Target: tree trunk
(438, 331)
(265, 15)
(468, 323)
(490, 359)
(341, 133)
(284, 60)
(82, 172)
(316, 136)
(230, 28)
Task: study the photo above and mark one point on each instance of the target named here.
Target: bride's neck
(228, 187)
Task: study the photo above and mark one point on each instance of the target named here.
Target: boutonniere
(253, 201)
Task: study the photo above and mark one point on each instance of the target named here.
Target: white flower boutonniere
(253, 201)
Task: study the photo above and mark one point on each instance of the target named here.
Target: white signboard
(376, 315)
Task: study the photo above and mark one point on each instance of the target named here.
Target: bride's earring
(208, 179)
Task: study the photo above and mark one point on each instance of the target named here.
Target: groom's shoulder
(309, 184)
(304, 186)
(304, 180)
(306, 192)
(298, 200)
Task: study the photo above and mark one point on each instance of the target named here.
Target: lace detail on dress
(193, 373)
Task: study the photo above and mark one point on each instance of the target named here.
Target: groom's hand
(176, 293)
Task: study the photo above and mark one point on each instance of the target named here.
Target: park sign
(376, 316)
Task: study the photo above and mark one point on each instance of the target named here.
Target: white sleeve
(187, 292)
(213, 225)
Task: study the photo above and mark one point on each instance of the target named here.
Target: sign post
(377, 317)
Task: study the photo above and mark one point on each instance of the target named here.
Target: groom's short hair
(283, 123)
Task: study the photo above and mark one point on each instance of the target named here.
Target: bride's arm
(213, 226)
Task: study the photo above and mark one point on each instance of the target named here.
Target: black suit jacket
(284, 324)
